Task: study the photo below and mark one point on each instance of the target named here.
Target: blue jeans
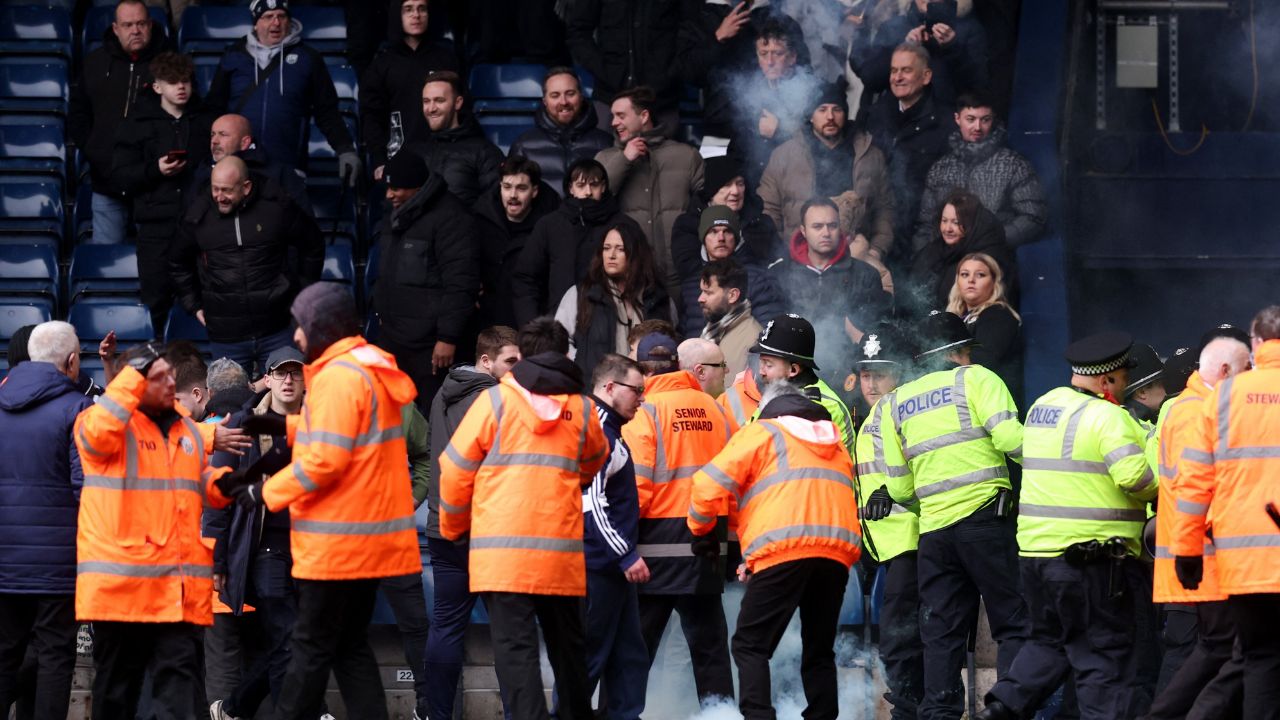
(249, 353)
(616, 652)
(450, 616)
(110, 219)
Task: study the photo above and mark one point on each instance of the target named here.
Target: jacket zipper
(239, 240)
(132, 88)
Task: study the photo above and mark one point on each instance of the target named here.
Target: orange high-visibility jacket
(1231, 466)
(348, 492)
(793, 483)
(139, 557)
(512, 475)
(678, 430)
(1179, 423)
(741, 399)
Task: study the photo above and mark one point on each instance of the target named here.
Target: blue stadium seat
(503, 130)
(347, 86)
(93, 320)
(206, 68)
(36, 86)
(31, 147)
(31, 206)
(853, 610)
(29, 30)
(29, 270)
(335, 209)
(102, 270)
(339, 265)
(371, 270)
(99, 18)
(16, 313)
(323, 28)
(208, 29)
(182, 326)
(322, 161)
(506, 88)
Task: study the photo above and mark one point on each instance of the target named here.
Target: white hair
(694, 351)
(53, 342)
(1222, 351)
(225, 374)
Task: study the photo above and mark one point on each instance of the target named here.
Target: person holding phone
(154, 158)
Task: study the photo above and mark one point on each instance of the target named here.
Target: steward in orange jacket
(741, 399)
(1231, 469)
(792, 482)
(143, 577)
(512, 476)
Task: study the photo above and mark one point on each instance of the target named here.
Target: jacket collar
(1267, 355)
(667, 382)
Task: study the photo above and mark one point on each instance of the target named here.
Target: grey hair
(226, 374)
(778, 388)
(53, 342)
(916, 49)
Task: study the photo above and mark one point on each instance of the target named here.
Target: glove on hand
(266, 424)
(349, 167)
(228, 483)
(248, 496)
(705, 546)
(879, 505)
(1190, 570)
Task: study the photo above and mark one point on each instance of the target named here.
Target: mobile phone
(174, 155)
(943, 12)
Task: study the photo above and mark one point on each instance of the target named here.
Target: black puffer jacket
(111, 84)
(143, 139)
(933, 269)
(391, 88)
(625, 43)
(559, 252)
(597, 339)
(460, 387)
(501, 243)
(429, 274)
(285, 177)
(238, 268)
(911, 142)
(555, 147)
(463, 157)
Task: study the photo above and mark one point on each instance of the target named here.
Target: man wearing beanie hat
(428, 274)
(349, 498)
(725, 185)
(828, 157)
(721, 240)
(278, 83)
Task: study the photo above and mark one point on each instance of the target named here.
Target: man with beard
(727, 310)
(565, 128)
(453, 146)
(725, 183)
(507, 216)
(720, 232)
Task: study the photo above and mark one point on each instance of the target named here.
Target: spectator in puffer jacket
(280, 84)
(232, 265)
(39, 501)
(724, 184)
(981, 163)
(452, 144)
(231, 135)
(720, 234)
(114, 77)
(391, 88)
(565, 128)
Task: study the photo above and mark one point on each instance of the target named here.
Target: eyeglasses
(282, 374)
(634, 389)
(722, 365)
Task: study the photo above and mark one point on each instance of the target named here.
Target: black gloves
(1190, 570)
(228, 483)
(705, 546)
(879, 505)
(266, 424)
(248, 496)
(143, 357)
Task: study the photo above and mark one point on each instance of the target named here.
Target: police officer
(950, 431)
(1145, 394)
(890, 531)
(1084, 486)
(786, 348)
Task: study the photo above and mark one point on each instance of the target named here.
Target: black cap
(1147, 368)
(789, 337)
(658, 347)
(404, 171)
(1225, 330)
(883, 344)
(1100, 354)
(941, 331)
(1178, 369)
(286, 354)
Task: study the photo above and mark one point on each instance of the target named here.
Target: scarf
(715, 331)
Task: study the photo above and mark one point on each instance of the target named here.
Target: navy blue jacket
(766, 299)
(40, 480)
(611, 505)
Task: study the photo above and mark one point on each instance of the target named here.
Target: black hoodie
(151, 133)
(548, 373)
(463, 156)
(933, 269)
(796, 406)
(556, 147)
(501, 243)
(460, 388)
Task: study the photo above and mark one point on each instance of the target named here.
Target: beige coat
(737, 342)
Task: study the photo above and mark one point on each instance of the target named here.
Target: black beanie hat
(406, 171)
(835, 93)
(326, 312)
(716, 173)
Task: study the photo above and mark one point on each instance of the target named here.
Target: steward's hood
(749, 386)
(33, 384)
(462, 381)
(547, 382)
(675, 380)
(806, 421)
(800, 250)
(375, 360)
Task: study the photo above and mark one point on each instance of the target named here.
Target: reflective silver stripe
(196, 437)
(721, 478)
(345, 442)
(867, 468)
(130, 453)
(1224, 414)
(377, 527)
(735, 405)
(1247, 453)
(790, 474)
(898, 509)
(1199, 456)
(1192, 508)
(106, 402)
(1069, 437)
(961, 399)
(143, 571)
(456, 458)
(303, 480)
(699, 517)
(671, 550)
(526, 542)
(877, 440)
(1163, 553)
(1144, 482)
(959, 481)
(1081, 513)
(373, 435)
(1121, 453)
(793, 532)
(1065, 465)
(454, 509)
(1166, 472)
(88, 446)
(1241, 542)
(644, 471)
(995, 420)
(134, 483)
(660, 473)
(942, 441)
(534, 459)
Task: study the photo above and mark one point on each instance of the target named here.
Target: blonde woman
(978, 295)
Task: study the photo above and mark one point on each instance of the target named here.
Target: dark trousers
(408, 603)
(155, 285)
(976, 557)
(332, 634)
(1203, 671)
(46, 624)
(1177, 640)
(706, 631)
(513, 623)
(1075, 626)
(124, 651)
(1145, 659)
(450, 616)
(900, 646)
(276, 601)
(253, 353)
(816, 587)
(416, 363)
(616, 653)
(1257, 617)
(232, 649)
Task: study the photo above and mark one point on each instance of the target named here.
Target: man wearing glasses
(705, 361)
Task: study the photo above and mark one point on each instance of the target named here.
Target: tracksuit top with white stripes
(611, 505)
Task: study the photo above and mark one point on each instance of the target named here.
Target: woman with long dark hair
(621, 289)
(964, 226)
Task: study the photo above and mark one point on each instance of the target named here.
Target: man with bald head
(232, 264)
(232, 136)
(705, 361)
